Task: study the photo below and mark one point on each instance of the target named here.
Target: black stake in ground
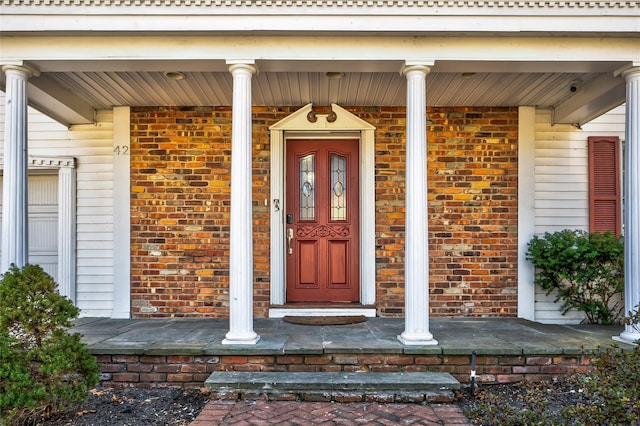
(473, 371)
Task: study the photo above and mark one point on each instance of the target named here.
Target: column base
(241, 339)
(628, 337)
(417, 339)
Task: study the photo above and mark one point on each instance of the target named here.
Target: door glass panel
(338, 187)
(307, 188)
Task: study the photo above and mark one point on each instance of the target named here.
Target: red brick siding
(180, 193)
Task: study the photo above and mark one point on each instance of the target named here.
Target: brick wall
(180, 195)
(473, 206)
(193, 370)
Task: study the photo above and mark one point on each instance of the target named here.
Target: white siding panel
(564, 172)
(97, 203)
(570, 182)
(91, 146)
(541, 196)
(548, 311)
(562, 204)
(546, 184)
(562, 162)
(95, 296)
(562, 187)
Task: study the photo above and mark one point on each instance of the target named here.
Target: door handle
(289, 238)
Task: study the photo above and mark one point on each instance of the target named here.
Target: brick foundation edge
(156, 371)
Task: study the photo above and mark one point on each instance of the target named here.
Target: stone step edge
(416, 387)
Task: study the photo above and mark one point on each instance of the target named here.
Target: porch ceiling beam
(591, 100)
(152, 51)
(319, 65)
(53, 100)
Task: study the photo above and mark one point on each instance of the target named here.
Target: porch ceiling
(577, 95)
(577, 91)
(106, 89)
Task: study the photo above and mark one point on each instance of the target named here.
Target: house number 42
(121, 150)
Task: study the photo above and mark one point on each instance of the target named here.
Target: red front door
(322, 230)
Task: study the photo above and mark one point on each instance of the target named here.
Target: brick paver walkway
(326, 413)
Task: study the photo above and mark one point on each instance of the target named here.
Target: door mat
(326, 320)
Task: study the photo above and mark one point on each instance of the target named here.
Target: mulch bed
(134, 407)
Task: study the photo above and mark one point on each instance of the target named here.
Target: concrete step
(334, 386)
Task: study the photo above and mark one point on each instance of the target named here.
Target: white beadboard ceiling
(107, 89)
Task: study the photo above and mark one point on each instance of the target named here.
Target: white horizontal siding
(562, 187)
(91, 146)
(94, 215)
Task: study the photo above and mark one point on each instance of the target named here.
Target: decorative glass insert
(338, 187)
(307, 188)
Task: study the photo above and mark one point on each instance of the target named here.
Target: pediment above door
(342, 120)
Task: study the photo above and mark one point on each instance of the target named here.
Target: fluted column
(632, 203)
(416, 265)
(15, 219)
(66, 231)
(241, 235)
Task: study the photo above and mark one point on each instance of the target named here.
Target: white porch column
(416, 265)
(241, 235)
(632, 202)
(15, 219)
(67, 230)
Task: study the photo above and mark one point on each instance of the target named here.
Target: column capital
(631, 73)
(412, 66)
(242, 65)
(25, 70)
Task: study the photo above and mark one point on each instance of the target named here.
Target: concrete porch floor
(189, 353)
(455, 336)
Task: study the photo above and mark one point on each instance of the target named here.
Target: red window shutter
(604, 184)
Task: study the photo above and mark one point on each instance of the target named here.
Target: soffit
(107, 89)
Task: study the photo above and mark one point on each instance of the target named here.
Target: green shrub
(586, 270)
(612, 393)
(633, 320)
(42, 367)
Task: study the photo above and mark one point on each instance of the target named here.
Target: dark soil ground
(134, 407)
(519, 403)
(173, 406)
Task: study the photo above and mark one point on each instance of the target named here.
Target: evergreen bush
(586, 269)
(43, 368)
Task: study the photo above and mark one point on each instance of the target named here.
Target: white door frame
(345, 125)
